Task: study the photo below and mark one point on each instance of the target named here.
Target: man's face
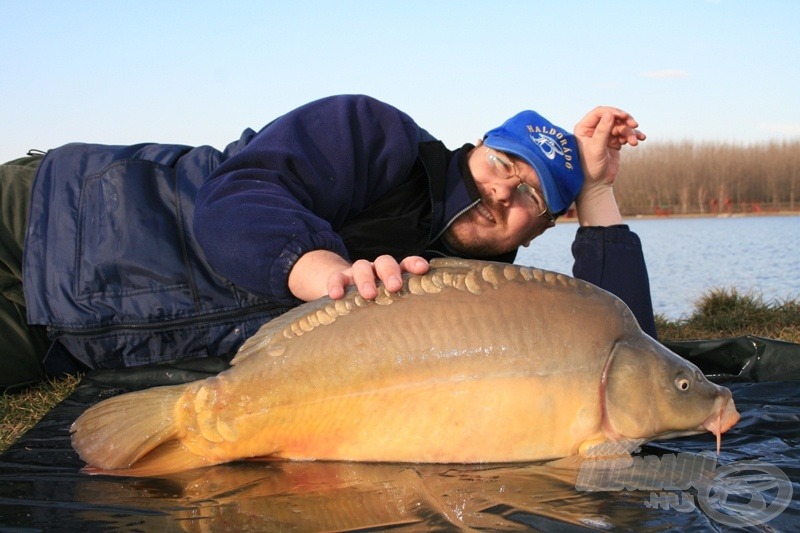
(506, 216)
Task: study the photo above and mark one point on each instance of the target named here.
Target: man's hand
(600, 135)
(320, 273)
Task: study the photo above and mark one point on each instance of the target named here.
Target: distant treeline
(709, 178)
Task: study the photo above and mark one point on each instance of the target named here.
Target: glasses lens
(539, 206)
(507, 169)
(499, 161)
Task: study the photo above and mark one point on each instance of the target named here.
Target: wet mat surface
(673, 485)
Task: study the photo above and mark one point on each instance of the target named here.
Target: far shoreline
(573, 219)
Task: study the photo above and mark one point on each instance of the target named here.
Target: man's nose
(504, 189)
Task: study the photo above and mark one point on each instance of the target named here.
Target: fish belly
(499, 419)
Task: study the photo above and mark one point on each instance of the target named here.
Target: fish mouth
(722, 419)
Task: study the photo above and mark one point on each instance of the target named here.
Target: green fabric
(22, 348)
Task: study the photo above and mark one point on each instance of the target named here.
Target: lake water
(686, 257)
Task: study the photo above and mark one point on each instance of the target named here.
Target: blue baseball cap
(550, 150)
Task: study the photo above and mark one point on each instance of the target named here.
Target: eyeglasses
(508, 170)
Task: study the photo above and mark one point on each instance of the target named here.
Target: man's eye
(528, 190)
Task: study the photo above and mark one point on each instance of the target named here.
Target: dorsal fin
(268, 331)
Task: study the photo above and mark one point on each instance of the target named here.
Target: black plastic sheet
(673, 485)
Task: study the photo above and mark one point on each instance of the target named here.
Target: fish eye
(682, 383)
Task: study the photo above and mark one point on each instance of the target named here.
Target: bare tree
(718, 178)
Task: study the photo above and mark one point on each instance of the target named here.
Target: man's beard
(467, 244)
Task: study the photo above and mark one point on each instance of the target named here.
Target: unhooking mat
(679, 484)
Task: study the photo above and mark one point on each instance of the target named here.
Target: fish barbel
(471, 362)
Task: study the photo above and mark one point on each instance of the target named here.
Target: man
(137, 254)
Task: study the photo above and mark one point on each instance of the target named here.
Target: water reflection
(261, 496)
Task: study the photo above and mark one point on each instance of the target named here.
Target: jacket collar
(460, 195)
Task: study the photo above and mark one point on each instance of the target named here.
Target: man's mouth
(485, 213)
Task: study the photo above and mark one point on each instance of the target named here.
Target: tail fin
(117, 432)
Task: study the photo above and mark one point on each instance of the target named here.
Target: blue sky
(200, 72)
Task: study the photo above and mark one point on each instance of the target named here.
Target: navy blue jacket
(137, 254)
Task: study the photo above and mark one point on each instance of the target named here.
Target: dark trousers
(22, 347)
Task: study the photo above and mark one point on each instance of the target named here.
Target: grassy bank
(723, 313)
(21, 410)
(718, 314)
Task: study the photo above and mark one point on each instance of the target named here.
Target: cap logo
(547, 145)
(550, 146)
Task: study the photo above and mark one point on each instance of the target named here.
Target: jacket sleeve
(612, 258)
(294, 185)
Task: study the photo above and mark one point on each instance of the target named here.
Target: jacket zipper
(452, 219)
(172, 323)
